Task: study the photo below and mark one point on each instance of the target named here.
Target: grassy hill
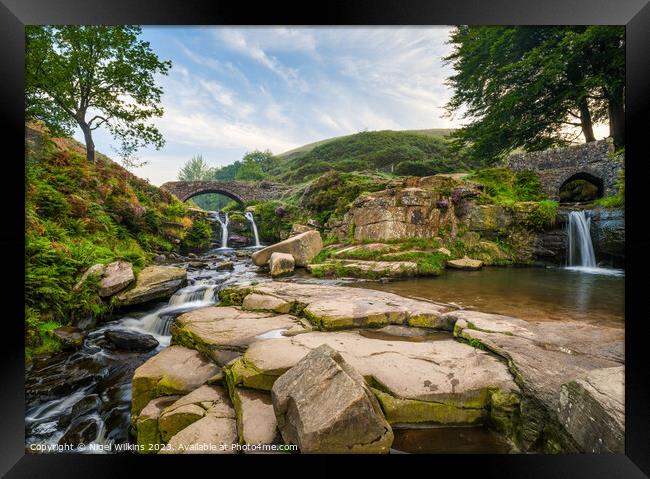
(287, 155)
(402, 153)
(78, 214)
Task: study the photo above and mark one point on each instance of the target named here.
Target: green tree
(265, 159)
(89, 76)
(196, 169)
(249, 170)
(525, 86)
(228, 172)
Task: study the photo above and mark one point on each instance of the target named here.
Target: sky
(233, 90)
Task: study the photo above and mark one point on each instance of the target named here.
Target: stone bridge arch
(240, 191)
(591, 161)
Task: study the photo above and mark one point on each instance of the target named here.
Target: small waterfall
(250, 218)
(581, 250)
(224, 226)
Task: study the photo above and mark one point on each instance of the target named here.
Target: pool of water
(535, 294)
(449, 440)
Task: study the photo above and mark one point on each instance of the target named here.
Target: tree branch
(98, 117)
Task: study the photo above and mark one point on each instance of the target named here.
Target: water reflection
(528, 293)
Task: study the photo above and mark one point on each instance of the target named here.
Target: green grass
(616, 201)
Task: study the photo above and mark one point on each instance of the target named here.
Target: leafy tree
(196, 169)
(523, 86)
(228, 172)
(249, 170)
(89, 76)
(265, 159)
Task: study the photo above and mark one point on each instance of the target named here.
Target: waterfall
(250, 218)
(224, 227)
(581, 250)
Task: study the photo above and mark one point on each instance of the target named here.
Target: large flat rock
(153, 282)
(223, 333)
(544, 356)
(337, 307)
(175, 370)
(443, 381)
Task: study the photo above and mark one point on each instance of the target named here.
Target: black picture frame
(635, 14)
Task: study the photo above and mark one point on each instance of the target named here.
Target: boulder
(303, 247)
(336, 307)
(281, 263)
(238, 240)
(117, 276)
(592, 410)
(207, 399)
(465, 263)
(323, 405)
(224, 266)
(148, 434)
(95, 270)
(224, 333)
(131, 340)
(153, 282)
(70, 337)
(174, 370)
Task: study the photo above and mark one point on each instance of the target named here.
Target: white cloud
(222, 96)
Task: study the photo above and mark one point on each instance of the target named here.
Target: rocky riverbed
(245, 359)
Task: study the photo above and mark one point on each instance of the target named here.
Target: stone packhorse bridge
(241, 191)
(556, 167)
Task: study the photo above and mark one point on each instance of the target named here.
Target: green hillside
(287, 155)
(402, 153)
(78, 214)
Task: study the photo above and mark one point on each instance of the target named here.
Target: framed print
(359, 238)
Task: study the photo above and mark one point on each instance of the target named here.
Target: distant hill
(434, 132)
(409, 152)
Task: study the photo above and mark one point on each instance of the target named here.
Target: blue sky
(233, 90)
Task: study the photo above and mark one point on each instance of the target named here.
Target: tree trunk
(90, 145)
(585, 121)
(616, 111)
